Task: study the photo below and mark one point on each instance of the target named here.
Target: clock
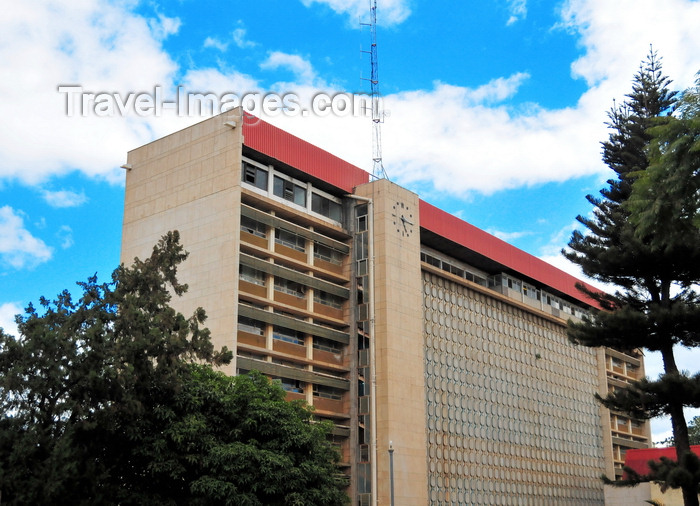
(403, 219)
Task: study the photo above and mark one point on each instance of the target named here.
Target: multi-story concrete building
(401, 323)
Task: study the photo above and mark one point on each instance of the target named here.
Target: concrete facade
(345, 291)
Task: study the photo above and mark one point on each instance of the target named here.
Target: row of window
(533, 293)
(296, 386)
(256, 327)
(292, 240)
(291, 190)
(257, 277)
(622, 367)
(452, 269)
(504, 280)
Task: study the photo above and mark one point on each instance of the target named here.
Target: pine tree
(655, 307)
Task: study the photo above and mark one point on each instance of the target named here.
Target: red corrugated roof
(287, 148)
(639, 459)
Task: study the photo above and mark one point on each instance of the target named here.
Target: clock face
(403, 219)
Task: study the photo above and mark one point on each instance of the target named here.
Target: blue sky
(495, 109)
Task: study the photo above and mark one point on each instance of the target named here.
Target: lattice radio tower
(377, 111)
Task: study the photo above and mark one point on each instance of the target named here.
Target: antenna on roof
(377, 110)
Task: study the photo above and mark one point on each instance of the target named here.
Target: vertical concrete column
(400, 379)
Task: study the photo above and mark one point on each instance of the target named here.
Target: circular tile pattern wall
(511, 416)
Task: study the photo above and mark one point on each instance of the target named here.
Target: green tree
(655, 306)
(693, 434)
(665, 201)
(98, 395)
(235, 440)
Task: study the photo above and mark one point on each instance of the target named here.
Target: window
(252, 275)
(290, 287)
(328, 392)
(533, 293)
(514, 284)
(291, 385)
(328, 299)
(290, 239)
(255, 176)
(362, 223)
(455, 270)
(289, 191)
(251, 326)
(361, 246)
(323, 344)
(253, 227)
(326, 207)
(288, 335)
(361, 270)
(328, 254)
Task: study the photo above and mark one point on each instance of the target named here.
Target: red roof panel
(638, 459)
(287, 148)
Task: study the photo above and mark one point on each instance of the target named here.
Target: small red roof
(639, 459)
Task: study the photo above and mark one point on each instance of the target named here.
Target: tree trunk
(680, 430)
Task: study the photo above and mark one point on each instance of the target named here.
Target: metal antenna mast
(377, 111)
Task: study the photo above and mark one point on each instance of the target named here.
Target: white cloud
(389, 12)
(517, 9)
(215, 43)
(239, 37)
(164, 26)
(458, 140)
(93, 43)
(448, 138)
(301, 67)
(617, 35)
(508, 236)
(8, 310)
(18, 247)
(65, 235)
(496, 90)
(64, 198)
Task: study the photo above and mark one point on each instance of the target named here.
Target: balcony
(328, 266)
(251, 339)
(290, 300)
(252, 288)
(292, 253)
(255, 240)
(289, 348)
(328, 357)
(328, 311)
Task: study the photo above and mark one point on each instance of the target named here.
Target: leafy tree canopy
(643, 238)
(111, 399)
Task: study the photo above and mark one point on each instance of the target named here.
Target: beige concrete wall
(672, 497)
(190, 181)
(399, 344)
(628, 496)
(641, 494)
